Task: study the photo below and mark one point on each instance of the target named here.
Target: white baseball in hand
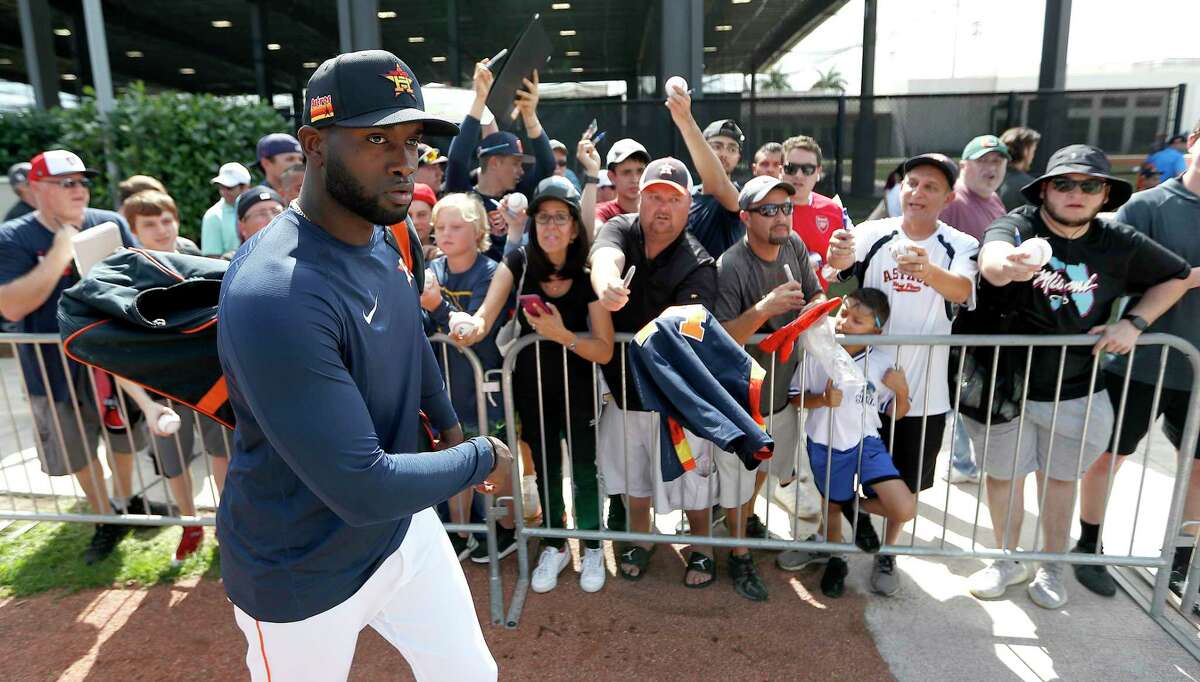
(168, 422)
(1038, 249)
(902, 247)
(516, 202)
(676, 83)
(461, 324)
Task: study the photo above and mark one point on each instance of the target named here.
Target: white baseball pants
(417, 599)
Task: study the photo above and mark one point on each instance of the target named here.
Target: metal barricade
(927, 533)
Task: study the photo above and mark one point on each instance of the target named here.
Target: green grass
(50, 557)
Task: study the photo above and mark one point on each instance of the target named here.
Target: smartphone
(533, 305)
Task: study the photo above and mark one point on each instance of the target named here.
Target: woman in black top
(552, 403)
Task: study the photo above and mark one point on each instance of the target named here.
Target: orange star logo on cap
(401, 79)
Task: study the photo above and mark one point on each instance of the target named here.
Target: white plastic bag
(821, 345)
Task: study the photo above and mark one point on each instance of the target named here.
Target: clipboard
(530, 51)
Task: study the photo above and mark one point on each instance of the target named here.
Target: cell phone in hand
(533, 305)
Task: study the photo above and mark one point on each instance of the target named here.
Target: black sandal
(636, 556)
(700, 563)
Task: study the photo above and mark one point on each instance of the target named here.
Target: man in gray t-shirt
(763, 283)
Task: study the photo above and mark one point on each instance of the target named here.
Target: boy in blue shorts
(843, 430)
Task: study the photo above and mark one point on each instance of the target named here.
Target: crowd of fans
(517, 237)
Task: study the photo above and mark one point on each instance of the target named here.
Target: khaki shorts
(1064, 454)
(217, 440)
(80, 431)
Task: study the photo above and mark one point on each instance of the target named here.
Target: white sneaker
(550, 564)
(1047, 589)
(955, 477)
(992, 581)
(591, 578)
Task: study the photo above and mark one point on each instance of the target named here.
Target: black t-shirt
(682, 274)
(714, 226)
(1076, 290)
(573, 306)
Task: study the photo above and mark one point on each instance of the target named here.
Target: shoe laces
(592, 558)
(887, 564)
(1050, 572)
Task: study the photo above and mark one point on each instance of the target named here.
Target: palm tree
(830, 80)
(775, 81)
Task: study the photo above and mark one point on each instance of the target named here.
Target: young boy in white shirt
(844, 447)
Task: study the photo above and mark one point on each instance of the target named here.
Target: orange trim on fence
(216, 396)
(262, 648)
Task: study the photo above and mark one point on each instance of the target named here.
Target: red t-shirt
(815, 223)
(608, 210)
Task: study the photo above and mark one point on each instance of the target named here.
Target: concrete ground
(933, 628)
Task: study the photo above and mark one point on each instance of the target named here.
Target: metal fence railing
(1146, 541)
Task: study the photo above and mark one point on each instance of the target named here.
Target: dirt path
(652, 629)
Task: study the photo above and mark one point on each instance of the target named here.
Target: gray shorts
(80, 435)
(217, 441)
(1058, 454)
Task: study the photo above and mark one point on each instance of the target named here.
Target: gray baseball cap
(759, 187)
(18, 173)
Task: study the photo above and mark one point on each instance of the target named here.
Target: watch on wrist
(1139, 323)
(591, 179)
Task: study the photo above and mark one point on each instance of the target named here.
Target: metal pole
(93, 16)
(258, 51)
(38, 44)
(1180, 99)
(454, 53)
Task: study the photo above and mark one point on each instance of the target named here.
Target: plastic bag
(821, 345)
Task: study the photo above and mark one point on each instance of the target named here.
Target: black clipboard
(530, 51)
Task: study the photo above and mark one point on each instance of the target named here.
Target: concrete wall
(7, 196)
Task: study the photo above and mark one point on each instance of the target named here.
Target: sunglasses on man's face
(771, 210)
(70, 183)
(1067, 185)
(562, 163)
(797, 168)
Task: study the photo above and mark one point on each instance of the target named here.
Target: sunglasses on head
(1067, 185)
(770, 210)
(70, 183)
(796, 168)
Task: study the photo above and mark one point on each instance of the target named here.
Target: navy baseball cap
(938, 161)
(366, 89)
(253, 196)
(277, 143)
(667, 171)
(503, 144)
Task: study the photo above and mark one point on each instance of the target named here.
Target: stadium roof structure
(243, 46)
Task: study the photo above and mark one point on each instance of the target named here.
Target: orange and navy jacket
(687, 368)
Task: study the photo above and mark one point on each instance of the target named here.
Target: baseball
(901, 247)
(461, 324)
(676, 83)
(1038, 249)
(516, 202)
(168, 422)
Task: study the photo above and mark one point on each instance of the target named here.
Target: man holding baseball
(325, 523)
(927, 269)
(1092, 263)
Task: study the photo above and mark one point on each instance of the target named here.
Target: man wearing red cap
(36, 265)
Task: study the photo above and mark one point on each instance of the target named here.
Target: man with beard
(975, 205)
(325, 523)
(1066, 426)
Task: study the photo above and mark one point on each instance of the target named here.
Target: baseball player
(325, 524)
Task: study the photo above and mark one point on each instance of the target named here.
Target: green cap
(984, 144)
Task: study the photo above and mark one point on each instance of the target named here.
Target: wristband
(591, 179)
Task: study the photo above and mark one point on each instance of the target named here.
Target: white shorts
(628, 459)
(736, 482)
(417, 599)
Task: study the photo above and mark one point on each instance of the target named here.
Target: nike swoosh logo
(371, 315)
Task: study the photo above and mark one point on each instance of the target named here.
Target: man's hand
(614, 296)
(832, 395)
(680, 106)
(1017, 270)
(62, 251)
(499, 481)
(841, 250)
(527, 100)
(482, 81)
(784, 298)
(1119, 338)
(915, 263)
(431, 297)
(588, 157)
(894, 379)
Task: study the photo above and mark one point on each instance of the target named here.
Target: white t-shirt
(858, 415)
(916, 307)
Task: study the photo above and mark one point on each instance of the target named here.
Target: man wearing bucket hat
(1094, 261)
(326, 524)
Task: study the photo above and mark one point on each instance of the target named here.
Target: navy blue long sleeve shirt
(327, 365)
